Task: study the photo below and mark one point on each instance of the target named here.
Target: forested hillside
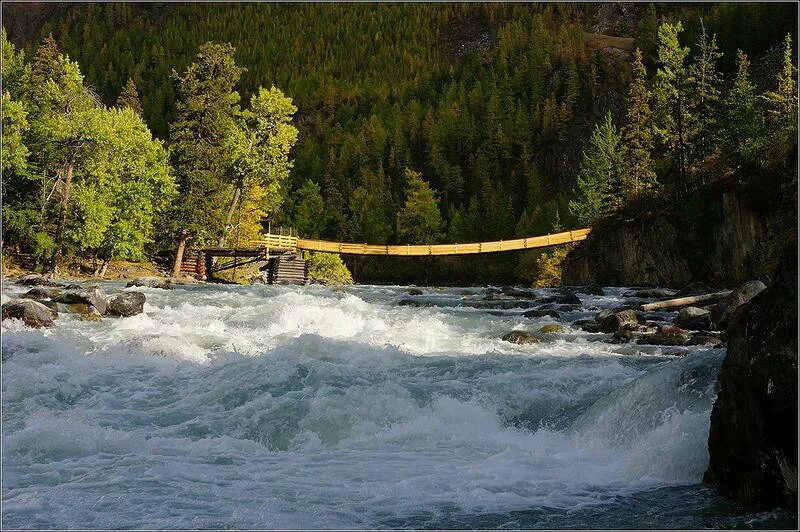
(487, 106)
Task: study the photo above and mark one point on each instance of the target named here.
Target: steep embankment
(724, 235)
(753, 438)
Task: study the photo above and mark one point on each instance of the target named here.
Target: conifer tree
(637, 174)
(675, 124)
(704, 93)
(782, 102)
(129, 98)
(310, 211)
(598, 191)
(419, 221)
(744, 123)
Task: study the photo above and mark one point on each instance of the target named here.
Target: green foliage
(542, 269)
(310, 211)
(704, 94)
(782, 103)
(328, 268)
(638, 175)
(743, 133)
(129, 97)
(599, 182)
(419, 220)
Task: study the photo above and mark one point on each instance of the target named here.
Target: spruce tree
(704, 93)
(674, 122)
(782, 102)
(638, 175)
(419, 221)
(744, 123)
(599, 191)
(129, 98)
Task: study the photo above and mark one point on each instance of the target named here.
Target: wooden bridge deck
(292, 243)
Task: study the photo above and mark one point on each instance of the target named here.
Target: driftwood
(686, 301)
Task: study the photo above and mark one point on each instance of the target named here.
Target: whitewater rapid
(287, 407)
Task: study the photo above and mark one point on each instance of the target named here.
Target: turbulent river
(277, 407)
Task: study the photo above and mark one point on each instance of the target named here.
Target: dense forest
(375, 123)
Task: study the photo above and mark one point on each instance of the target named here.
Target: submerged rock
(693, 318)
(551, 328)
(752, 441)
(150, 282)
(665, 335)
(590, 289)
(32, 313)
(520, 337)
(42, 292)
(723, 311)
(706, 339)
(590, 326)
(541, 313)
(126, 304)
(91, 296)
(650, 293)
(414, 292)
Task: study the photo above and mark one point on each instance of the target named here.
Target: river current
(310, 407)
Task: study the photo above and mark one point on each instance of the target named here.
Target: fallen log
(686, 301)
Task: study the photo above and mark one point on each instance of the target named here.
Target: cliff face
(723, 238)
(752, 442)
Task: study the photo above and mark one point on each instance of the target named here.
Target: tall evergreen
(638, 174)
(419, 221)
(744, 124)
(704, 94)
(129, 98)
(782, 102)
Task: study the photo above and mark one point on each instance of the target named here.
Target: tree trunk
(104, 267)
(62, 216)
(237, 193)
(176, 266)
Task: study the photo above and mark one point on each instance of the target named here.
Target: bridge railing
(276, 241)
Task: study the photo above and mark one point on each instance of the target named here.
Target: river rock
(631, 332)
(91, 296)
(722, 312)
(590, 326)
(541, 313)
(42, 292)
(693, 318)
(151, 282)
(36, 279)
(412, 303)
(752, 441)
(665, 335)
(414, 292)
(520, 337)
(650, 293)
(32, 313)
(705, 339)
(551, 328)
(613, 322)
(126, 304)
(590, 289)
(516, 292)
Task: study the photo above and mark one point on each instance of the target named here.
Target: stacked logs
(287, 269)
(194, 264)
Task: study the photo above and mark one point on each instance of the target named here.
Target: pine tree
(744, 123)
(675, 124)
(782, 102)
(598, 191)
(419, 221)
(704, 95)
(129, 98)
(637, 174)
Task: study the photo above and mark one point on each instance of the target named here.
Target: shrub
(328, 268)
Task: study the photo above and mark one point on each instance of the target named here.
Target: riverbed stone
(150, 282)
(551, 328)
(693, 318)
(32, 313)
(613, 322)
(724, 310)
(590, 289)
(39, 293)
(666, 335)
(706, 339)
(752, 440)
(126, 304)
(587, 325)
(414, 292)
(520, 337)
(93, 296)
(541, 313)
(35, 279)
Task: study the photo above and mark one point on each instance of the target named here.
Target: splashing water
(307, 407)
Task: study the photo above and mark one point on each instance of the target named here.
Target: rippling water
(307, 407)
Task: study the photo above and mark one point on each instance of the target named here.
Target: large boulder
(38, 293)
(520, 337)
(151, 282)
(35, 279)
(752, 441)
(722, 312)
(90, 296)
(126, 304)
(84, 311)
(31, 312)
(616, 320)
(693, 318)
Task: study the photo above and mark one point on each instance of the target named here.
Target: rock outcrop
(91, 296)
(724, 310)
(753, 437)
